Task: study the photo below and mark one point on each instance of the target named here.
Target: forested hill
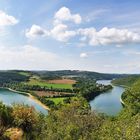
(126, 81)
(77, 73)
(21, 75)
(131, 97)
(12, 76)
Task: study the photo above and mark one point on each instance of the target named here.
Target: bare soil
(51, 93)
(62, 81)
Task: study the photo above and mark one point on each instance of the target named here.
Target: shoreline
(123, 86)
(122, 102)
(30, 96)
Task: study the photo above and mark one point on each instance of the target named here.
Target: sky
(92, 35)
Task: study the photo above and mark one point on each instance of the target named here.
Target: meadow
(57, 100)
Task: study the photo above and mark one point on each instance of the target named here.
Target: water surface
(9, 97)
(108, 102)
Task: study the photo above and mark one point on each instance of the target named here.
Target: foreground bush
(24, 117)
(71, 121)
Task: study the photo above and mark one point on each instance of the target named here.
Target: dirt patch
(14, 133)
(62, 81)
(51, 93)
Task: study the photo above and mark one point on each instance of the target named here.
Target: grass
(58, 100)
(25, 73)
(44, 83)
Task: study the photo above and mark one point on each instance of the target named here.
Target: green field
(44, 83)
(25, 73)
(57, 100)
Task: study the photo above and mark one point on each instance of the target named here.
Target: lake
(108, 102)
(9, 97)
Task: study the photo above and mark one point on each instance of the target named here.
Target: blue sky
(93, 35)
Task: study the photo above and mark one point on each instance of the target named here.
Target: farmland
(62, 81)
(44, 83)
(51, 93)
(57, 100)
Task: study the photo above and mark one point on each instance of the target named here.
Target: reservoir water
(9, 97)
(108, 102)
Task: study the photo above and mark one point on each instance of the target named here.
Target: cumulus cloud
(64, 14)
(109, 36)
(83, 55)
(6, 19)
(105, 36)
(61, 33)
(36, 31)
(90, 36)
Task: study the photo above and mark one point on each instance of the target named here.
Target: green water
(108, 102)
(9, 97)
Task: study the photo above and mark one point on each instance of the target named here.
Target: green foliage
(24, 117)
(60, 100)
(73, 120)
(76, 74)
(89, 89)
(49, 103)
(11, 76)
(131, 98)
(121, 128)
(5, 115)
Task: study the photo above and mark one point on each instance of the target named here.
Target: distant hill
(126, 81)
(22, 75)
(77, 73)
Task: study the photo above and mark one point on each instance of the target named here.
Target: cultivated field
(43, 83)
(62, 81)
(51, 93)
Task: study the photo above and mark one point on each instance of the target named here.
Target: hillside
(76, 73)
(126, 81)
(131, 97)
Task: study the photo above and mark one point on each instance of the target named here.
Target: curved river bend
(9, 97)
(108, 102)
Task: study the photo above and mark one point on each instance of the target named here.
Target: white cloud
(64, 14)
(105, 36)
(61, 33)
(36, 31)
(109, 36)
(26, 57)
(90, 36)
(6, 19)
(83, 55)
